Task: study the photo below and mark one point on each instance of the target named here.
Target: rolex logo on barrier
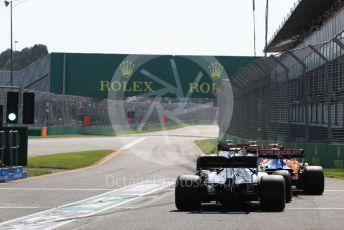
(127, 68)
(215, 70)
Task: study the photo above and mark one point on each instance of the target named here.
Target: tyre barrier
(11, 172)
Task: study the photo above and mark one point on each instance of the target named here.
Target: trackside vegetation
(334, 173)
(72, 160)
(37, 172)
(41, 165)
(208, 146)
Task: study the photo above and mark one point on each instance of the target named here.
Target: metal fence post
(64, 91)
(328, 87)
(339, 43)
(13, 143)
(10, 144)
(287, 90)
(306, 93)
(16, 146)
(2, 147)
(260, 111)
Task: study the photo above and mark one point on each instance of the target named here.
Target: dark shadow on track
(299, 193)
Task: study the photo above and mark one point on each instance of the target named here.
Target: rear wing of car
(283, 153)
(213, 162)
(226, 147)
(254, 148)
(250, 148)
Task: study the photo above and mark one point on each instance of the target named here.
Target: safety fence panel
(297, 96)
(66, 114)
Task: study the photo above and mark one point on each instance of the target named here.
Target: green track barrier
(107, 130)
(35, 131)
(326, 155)
(336, 155)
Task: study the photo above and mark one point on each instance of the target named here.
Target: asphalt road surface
(134, 190)
(49, 146)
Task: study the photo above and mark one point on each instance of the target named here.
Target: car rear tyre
(272, 193)
(188, 193)
(198, 163)
(288, 185)
(313, 179)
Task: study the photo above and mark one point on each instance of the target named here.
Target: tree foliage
(22, 58)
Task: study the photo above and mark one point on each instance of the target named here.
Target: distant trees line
(22, 58)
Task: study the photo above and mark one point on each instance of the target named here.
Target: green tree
(22, 58)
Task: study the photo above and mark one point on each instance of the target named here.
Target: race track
(49, 146)
(149, 163)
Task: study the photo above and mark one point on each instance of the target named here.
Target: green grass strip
(334, 173)
(72, 160)
(208, 146)
(37, 172)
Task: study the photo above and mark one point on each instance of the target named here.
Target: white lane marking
(63, 189)
(55, 189)
(315, 209)
(131, 144)
(334, 190)
(56, 217)
(23, 207)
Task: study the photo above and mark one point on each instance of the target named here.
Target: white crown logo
(127, 68)
(216, 70)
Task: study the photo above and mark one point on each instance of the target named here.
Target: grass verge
(334, 173)
(37, 172)
(71, 160)
(208, 146)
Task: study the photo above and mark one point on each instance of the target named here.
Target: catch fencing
(297, 96)
(65, 114)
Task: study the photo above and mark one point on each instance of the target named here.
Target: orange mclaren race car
(289, 163)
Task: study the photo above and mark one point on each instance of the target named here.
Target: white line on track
(315, 209)
(23, 207)
(64, 189)
(56, 217)
(128, 146)
(55, 189)
(65, 214)
(334, 190)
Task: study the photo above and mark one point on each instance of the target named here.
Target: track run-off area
(135, 190)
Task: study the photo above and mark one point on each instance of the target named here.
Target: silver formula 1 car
(228, 177)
